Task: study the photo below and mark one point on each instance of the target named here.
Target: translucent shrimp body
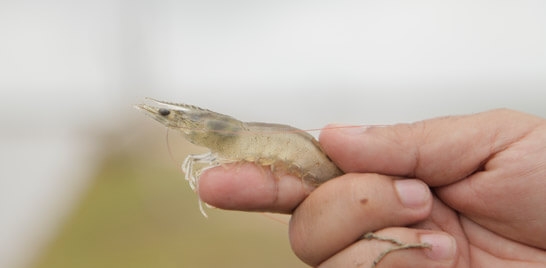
(281, 147)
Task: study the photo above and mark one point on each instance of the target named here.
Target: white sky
(70, 66)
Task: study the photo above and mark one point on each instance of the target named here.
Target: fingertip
(354, 148)
(233, 186)
(333, 132)
(442, 246)
(413, 193)
(214, 186)
(248, 187)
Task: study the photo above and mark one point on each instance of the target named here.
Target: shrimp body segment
(280, 146)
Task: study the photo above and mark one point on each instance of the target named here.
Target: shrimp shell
(229, 140)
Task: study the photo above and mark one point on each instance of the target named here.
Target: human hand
(485, 206)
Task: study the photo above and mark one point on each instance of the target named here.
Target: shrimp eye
(164, 112)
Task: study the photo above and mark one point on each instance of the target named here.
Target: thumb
(439, 151)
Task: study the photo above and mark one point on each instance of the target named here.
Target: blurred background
(88, 181)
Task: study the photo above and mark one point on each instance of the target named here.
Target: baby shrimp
(230, 140)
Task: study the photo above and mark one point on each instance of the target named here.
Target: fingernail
(442, 246)
(412, 193)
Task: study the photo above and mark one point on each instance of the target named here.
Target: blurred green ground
(140, 212)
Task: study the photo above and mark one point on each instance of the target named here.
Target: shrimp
(230, 140)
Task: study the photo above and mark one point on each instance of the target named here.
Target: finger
(251, 188)
(442, 250)
(510, 191)
(439, 151)
(338, 212)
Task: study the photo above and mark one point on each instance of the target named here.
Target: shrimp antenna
(169, 146)
(273, 218)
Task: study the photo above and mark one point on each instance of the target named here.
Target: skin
(471, 186)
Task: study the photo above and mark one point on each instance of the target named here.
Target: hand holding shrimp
(488, 176)
(294, 152)
(328, 223)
